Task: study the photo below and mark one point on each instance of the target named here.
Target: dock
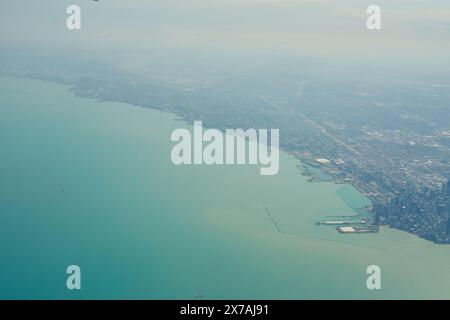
(356, 230)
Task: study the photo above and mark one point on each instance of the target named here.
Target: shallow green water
(91, 183)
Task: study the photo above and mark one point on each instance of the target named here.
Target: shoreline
(179, 117)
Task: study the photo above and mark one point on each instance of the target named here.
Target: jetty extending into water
(273, 220)
(341, 222)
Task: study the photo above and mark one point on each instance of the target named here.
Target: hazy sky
(414, 32)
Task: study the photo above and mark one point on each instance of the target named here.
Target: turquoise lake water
(91, 183)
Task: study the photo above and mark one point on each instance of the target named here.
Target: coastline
(304, 161)
(204, 224)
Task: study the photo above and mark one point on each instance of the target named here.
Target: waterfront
(91, 183)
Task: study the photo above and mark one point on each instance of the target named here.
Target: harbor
(351, 226)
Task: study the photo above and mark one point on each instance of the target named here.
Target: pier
(351, 226)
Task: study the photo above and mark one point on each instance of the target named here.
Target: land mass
(389, 139)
